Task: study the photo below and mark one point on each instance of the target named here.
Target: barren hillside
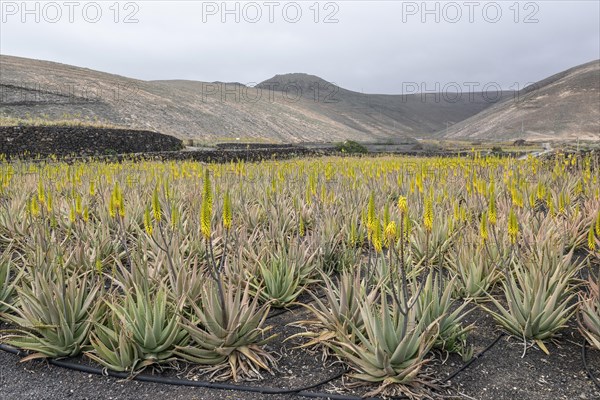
(563, 106)
(215, 111)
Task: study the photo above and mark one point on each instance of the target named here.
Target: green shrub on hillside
(351, 147)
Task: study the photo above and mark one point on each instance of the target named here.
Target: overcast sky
(369, 46)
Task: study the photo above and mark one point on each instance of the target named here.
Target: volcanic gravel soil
(500, 373)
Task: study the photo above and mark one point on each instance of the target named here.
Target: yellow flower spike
(492, 187)
(598, 225)
(481, 187)
(376, 236)
(456, 211)
(531, 200)
(308, 195)
(390, 233)
(492, 213)
(34, 207)
(513, 226)
(227, 215)
(541, 191)
(156, 209)
(561, 203)
(371, 213)
(419, 182)
(428, 214)
(78, 206)
(206, 208)
(41, 193)
(147, 221)
(98, 265)
(115, 192)
(72, 214)
(550, 203)
(49, 201)
(591, 239)
(167, 190)
(578, 188)
(483, 229)
(281, 176)
(402, 204)
(174, 216)
(329, 172)
(312, 181)
(116, 205)
(111, 207)
(302, 228)
(517, 198)
(86, 214)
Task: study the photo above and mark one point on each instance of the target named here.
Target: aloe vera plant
(335, 315)
(335, 253)
(435, 304)
(112, 346)
(429, 247)
(475, 269)
(282, 276)
(9, 278)
(391, 345)
(539, 302)
(589, 314)
(52, 314)
(227, 337)
(141, 228)
(151, 323)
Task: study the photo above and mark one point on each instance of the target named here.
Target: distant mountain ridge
(417, 115)
(293, 107)
(216, 110)
(563, 106)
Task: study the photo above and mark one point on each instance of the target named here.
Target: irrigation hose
(473, 359)
(585, 365)
(300, 391)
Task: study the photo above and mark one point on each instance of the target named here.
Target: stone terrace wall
(81, 141)
(211, 156)
(253, 146)
(223, 156)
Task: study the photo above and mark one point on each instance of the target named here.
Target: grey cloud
(370, 49)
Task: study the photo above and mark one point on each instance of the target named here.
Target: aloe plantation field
(340, 277)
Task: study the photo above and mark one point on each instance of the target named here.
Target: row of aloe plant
(151, 308)
(142, 284)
